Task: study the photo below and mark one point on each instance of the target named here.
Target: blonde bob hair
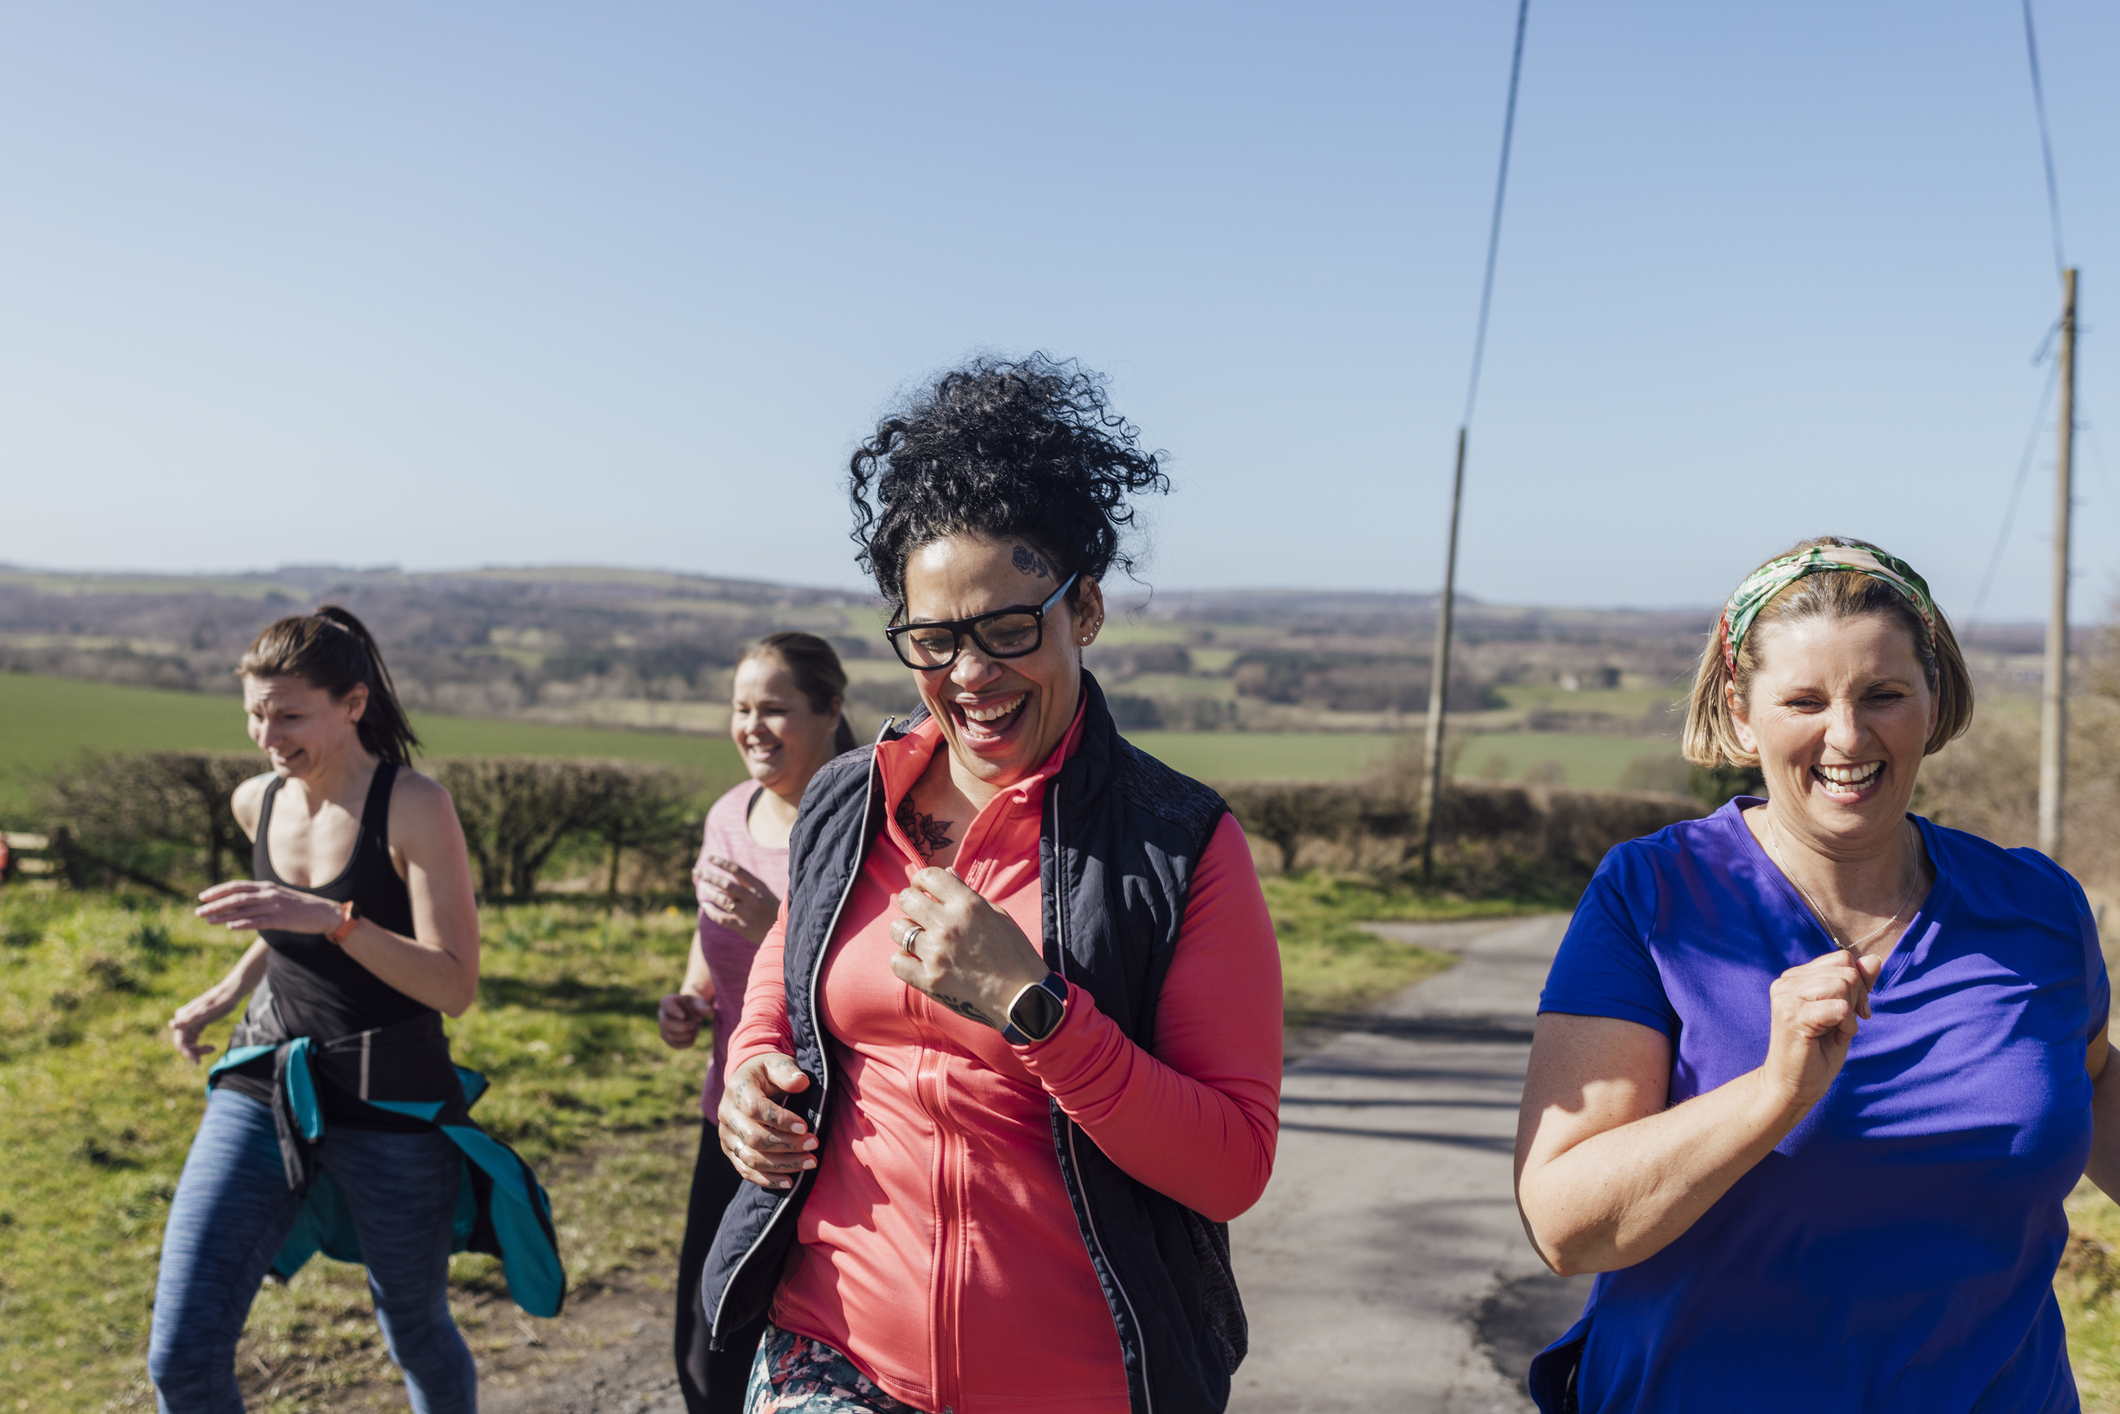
(1711, 730)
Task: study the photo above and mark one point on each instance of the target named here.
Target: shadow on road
(1524, 1316)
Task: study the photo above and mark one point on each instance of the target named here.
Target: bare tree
(147, 818)
(114, 810)
(518, 810)
(647, 809)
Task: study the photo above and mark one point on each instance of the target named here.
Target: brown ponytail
(332, 650)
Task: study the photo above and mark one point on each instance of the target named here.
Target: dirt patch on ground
(608, 1351)
(614, 1355)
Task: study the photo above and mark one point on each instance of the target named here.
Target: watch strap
(1033, 1018)
(348, 916)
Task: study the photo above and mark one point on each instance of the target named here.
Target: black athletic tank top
(315, 987)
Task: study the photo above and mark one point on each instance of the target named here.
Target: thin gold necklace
(1852, 949)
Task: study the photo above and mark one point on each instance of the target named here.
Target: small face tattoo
(928, 834)
(1027, 562)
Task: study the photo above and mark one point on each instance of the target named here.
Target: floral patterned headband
(1832, 557)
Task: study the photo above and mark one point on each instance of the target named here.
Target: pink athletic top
(938, 1250)
(728, 952)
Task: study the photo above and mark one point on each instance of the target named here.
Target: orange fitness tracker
(347, 915)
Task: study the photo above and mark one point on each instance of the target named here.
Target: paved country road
(1385, 1269)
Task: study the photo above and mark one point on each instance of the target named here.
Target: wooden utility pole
(1439, 665)
(2053, 706)
(1439, 675)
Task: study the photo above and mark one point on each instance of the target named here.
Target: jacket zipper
(930, 1092)
(824, 1065)
(1148, 1396)
(949, 1369)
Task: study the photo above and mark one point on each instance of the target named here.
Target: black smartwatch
(1036, 1012)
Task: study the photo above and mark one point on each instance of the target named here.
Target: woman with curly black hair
(1011, 1058)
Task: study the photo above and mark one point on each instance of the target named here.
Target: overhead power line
(2009, 518)
(1494, 226)
(2046, 141)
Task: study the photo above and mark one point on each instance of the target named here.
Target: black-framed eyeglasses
(1005, 633)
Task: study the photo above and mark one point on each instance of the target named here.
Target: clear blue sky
(447, 285)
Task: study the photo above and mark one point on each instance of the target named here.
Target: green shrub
(162, 820)
(1493, 841)
(520, 811)
(1715, 786)
(148, 815)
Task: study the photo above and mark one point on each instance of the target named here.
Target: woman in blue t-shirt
(1812, 1077)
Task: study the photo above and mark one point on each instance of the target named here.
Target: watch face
(1036, 1013)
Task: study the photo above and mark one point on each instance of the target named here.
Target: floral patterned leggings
(797, 1375)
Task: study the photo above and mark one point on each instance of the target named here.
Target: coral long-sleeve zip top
(938, 1249)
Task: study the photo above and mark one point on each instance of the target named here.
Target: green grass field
(1267, 756)
(96, 1112)
(1581, 759)
(2088, 1286)
(1614, 701)
(47, 722)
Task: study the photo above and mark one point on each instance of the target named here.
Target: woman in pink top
(786, 720)
(1010, 1059)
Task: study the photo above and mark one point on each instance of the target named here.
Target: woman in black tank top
(367, 929)
(311, 987)
(319, 989)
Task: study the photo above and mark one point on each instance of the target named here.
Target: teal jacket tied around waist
(404, 1070)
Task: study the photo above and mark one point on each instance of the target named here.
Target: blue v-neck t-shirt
(1896, 1251)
